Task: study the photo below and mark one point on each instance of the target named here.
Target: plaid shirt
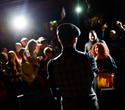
(73, 74)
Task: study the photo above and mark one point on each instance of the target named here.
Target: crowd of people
(25, 69)
(36, 64)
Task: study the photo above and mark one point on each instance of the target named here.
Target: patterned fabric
(105, 80)
(73, 74)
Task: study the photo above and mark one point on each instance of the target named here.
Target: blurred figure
(72, 72)
(56, 45)
(35, 60)
(116, 44)
(24, 41)
(3, 59)
(5, 50)
(13, 70)
(49, 52)
(92, 40)
(42, 42)
(28, 72)
(3, 85)
(31, 47)
(18, 46)
(14, 79)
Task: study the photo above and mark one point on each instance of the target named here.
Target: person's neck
(68, 45)
(67, 48)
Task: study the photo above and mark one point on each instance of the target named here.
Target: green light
(54, 21)
(51, 22)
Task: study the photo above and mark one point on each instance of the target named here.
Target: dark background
(41, 12)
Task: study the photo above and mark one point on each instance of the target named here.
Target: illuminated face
(18, 47)
(113, 35)
(24, 43)
(92, 36)
(98, 49)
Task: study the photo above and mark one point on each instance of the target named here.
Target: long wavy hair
(10, 63)
(30, 44)
(104, 53)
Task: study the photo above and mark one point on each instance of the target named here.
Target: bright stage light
(78, 9)
(20, 22)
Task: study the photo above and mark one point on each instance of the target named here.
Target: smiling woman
(106, 65)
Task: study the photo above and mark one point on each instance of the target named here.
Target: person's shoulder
(80, 52)
(109, 57)
(101, 40)
(26, 64)
(54, 59)
(57, 57)
(87, 43)
(88, 53)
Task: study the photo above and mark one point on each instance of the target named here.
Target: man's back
(73, 71)
(73, 75)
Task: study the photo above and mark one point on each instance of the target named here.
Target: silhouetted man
(73, 72)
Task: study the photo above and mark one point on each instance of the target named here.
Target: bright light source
(78, 9)
(20, 22)
(54, 21)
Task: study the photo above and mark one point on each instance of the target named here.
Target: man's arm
(92, 62)
(50, 78)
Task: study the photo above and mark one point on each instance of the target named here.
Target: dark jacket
(73, 73)
(108, 65)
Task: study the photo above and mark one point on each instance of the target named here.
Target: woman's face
(12, 57)
(98, 49)
(24, 43)
(34, 46)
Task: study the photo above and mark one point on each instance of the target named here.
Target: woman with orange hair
(106, 65)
